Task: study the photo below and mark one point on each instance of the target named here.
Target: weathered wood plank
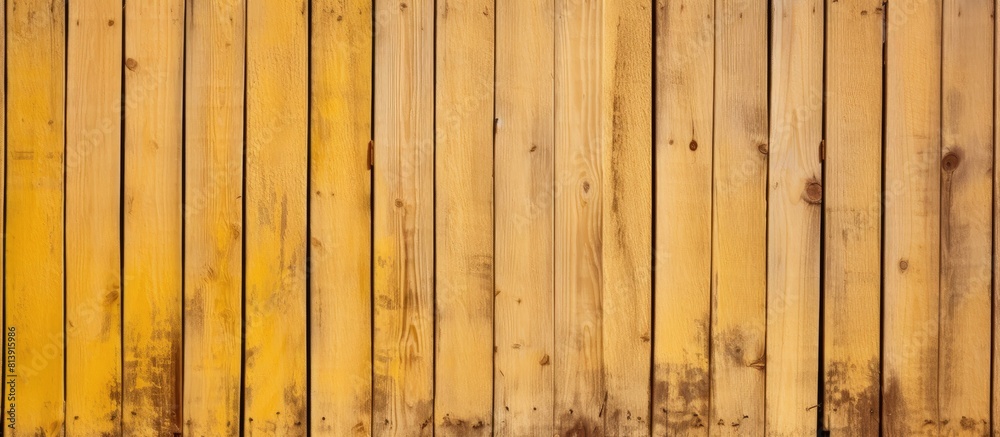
(525, 196)
(152, 270)
(463, 343)
(685, 68)
(93, 234)
(739, 219)
(340, 218)
(966, 219)
(853, 217)
(277, 115)
(213, 217)
(912, 221)
(403, 399)
(795, 195)
(34, 271)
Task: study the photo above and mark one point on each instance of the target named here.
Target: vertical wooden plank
(276, 190)
(853, 217)
(912, 221)
(795, 195)
(93, 197)
(685, 41)
(463, 384)
(995, 413)
(152, 271)
(581, 91)
(966, 221)
(36, 43)
(524, 324)
(213, 215)
(403, 399)
(626, 218)
(340, 218)
(739, 217)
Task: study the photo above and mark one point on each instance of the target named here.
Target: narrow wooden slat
(853, 217)
(581, 91)
(340, 220)
(403, 367)
(739, 217)
(463, 384)
(795, 195)
(966, 219)
(36, 53)
(626, 216)
(685, 35)
(995, 413)
(524, 165)
(912, 222)
(275, 245)
(152, 271)
(93, 234)
(213, 217)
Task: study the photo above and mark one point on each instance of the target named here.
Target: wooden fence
(509, 217)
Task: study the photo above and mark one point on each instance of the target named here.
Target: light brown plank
(213, 217)
(853, 217)
(524, 155)
(93, 234)
(403, 394)
(626, 216)
(277, 116)
(912, 221)
(966, 219)
(739, 217)
(152, 271)
(464, 218)
(795, 195)
(685, 67)
(340, 218)
(34, 270)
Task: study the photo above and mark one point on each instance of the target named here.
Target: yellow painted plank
(581, 93)
(213, 217)
(93, 198)
(685, 66)
(910, 269)
(152, 273)
(853, 217)
(276, 191)
(966, 219)
(739, 216)
(340, 219)
(403, 367)
(463, 385)
(795, 195)
(36, 43)
(525, 197)
(626, 203)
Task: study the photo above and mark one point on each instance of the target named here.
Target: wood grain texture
(739, 219)
(274, 355)
(626, 217)
(93, 214)
(795, 195)
(36, 67)
(685, 67)
(340, 218)
(966, 218)
(912, 222)
(463, 393)
(152, 270)
(403, 367)
(525, 197)
(853, 218)
(582, 90)
(213, 217)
